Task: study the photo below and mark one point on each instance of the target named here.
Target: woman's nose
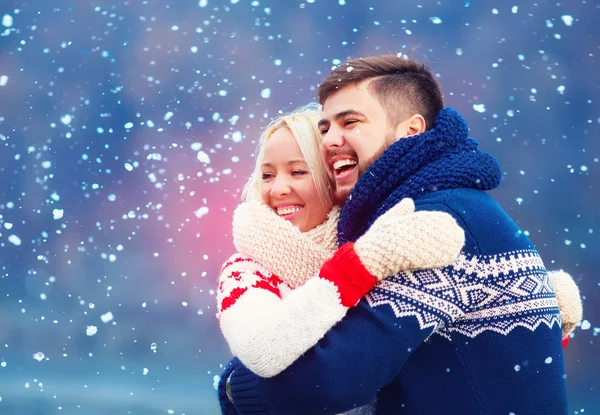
(280, 186)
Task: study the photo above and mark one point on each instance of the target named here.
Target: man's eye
(324, 131)
(350, 122)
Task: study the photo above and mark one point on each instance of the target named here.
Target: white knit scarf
(294, 256)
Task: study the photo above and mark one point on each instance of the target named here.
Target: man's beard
(341, 195)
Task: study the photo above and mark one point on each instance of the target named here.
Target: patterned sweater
(481, 336)
(287, 288)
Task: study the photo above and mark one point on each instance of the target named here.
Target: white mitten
(569, 300)
(402, 239)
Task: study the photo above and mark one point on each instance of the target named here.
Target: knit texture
(426, 240)
(569, 301)
(268, 323)
(442, 158)
(227, 407)
(295, 256)
(348, 274)
(481, 335)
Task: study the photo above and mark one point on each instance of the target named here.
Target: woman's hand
(402, 239)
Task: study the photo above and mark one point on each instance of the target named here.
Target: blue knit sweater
(481, 336)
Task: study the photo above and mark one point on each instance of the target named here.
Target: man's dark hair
(403, 86)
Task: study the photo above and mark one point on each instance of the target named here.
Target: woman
(288, 285)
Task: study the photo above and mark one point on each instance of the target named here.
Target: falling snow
(201, 212)
(39, 356)
(58, 213)
(7, 20)
(479, 108)
(107, 317)
(568, 20)
(265, 93)
(128, 132)
(203, 157)
(66, 119)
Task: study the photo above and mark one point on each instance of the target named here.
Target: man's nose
(333, 138)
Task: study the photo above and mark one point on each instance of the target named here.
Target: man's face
(355, 133)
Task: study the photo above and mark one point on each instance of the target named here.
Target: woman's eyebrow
(293, 161)
(296, 161)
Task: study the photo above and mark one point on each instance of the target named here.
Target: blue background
(127, 129)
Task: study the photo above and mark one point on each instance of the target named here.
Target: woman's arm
(263, 330)
(268, 332)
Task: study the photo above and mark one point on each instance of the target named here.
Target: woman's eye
(299, 172)
(324, 131)
(266, 176)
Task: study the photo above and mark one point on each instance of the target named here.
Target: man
(480, 336)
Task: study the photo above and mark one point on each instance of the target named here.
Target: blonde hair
(303, 124)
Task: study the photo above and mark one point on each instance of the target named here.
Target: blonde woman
(289, 283)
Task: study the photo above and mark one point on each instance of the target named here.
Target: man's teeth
(341, 163)
(287, 210)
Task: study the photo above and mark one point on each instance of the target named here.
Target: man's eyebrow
(322, 122)
(342, 115)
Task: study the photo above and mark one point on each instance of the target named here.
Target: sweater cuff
(222, 388)
(348, 274)
(244, 387)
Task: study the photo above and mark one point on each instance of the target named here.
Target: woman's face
(287, 185)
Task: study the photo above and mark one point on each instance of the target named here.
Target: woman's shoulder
(240, 263)
(237, 260)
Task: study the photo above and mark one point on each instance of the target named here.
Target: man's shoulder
(487, 226)
(458, 197)
(469, 204)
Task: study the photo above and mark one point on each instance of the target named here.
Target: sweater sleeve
(268, 332)
(358, 356)
(345, 370)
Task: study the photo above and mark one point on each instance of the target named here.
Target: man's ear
(413, 126)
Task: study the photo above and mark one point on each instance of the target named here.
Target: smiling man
(481, 336)
(357, 130)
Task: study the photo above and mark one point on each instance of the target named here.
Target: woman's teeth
(288, 210)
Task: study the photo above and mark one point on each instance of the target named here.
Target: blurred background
(127, 129)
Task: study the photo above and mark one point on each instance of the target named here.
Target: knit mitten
(402, 239)
(399, 240)
(569, 301)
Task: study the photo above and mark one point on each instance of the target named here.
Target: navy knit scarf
(441, 158)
